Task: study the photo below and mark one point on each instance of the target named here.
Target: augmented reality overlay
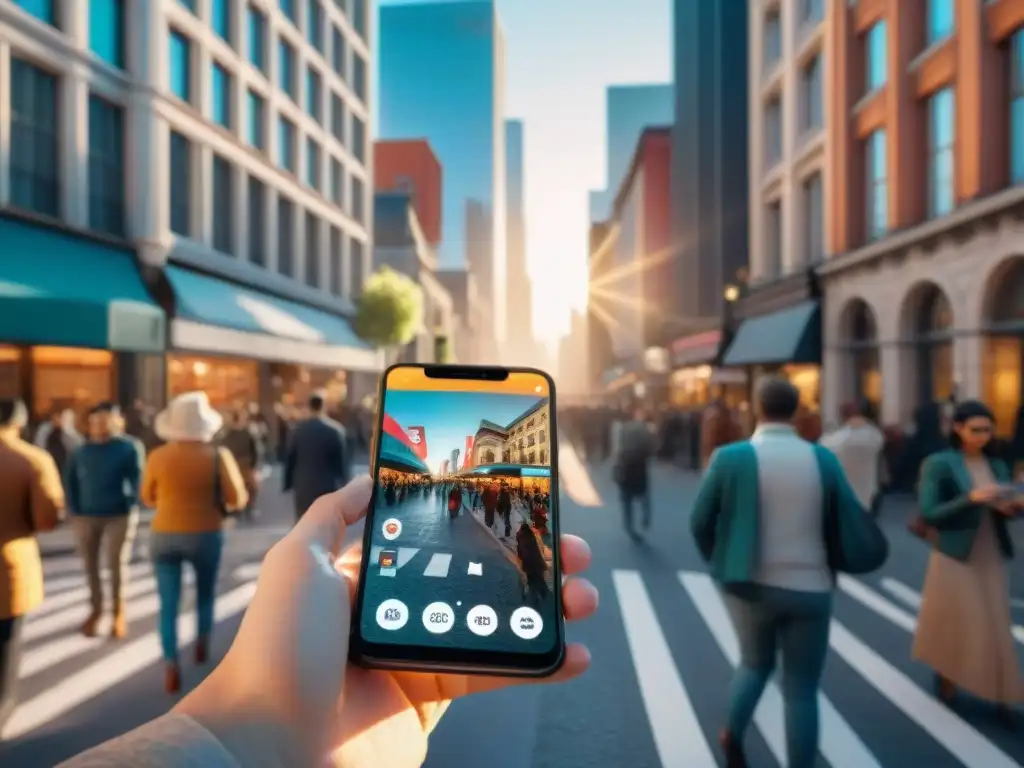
(461, 542)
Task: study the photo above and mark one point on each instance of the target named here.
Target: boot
(945, 691)
(734, 756)
(90, 625)
(172, 678)
(119, 629)
(202, 649)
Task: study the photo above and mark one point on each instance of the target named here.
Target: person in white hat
(192, 484)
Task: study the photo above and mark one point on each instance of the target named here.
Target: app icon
(476, 569)
(482, 620)
(392, 529)
(388, 558)
(526, 623)
(392, 614)
(438, 618)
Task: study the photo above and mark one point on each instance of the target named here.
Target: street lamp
(731, 293)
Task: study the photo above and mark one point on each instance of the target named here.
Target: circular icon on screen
(438, 618)
(526, 623)
(392, 614)
(482, 620)
(392, 529)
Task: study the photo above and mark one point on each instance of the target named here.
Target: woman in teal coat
(964, 626)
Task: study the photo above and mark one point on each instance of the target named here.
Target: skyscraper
(519, 349)
(442, 75)
(628, 110)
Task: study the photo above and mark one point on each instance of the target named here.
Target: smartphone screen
(461, 564)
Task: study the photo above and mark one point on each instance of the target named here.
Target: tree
(389, 312)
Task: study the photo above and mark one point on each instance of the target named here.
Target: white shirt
(858, 448)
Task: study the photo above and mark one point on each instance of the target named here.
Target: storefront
(696, 378)
(778, 332)
(77, 324)
(241, 345)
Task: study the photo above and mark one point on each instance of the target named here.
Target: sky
(560, 57)
(448, 418)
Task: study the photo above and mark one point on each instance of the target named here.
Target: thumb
(326, 521)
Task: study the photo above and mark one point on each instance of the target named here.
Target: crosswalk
(679, 725)
(430, 564)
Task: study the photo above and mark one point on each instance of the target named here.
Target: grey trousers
(119, 532)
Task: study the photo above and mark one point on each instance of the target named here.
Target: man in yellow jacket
(31, 501)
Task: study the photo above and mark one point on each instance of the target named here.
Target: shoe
(945, 691)
(119, 628)
(734, 757)
(172, 678)
(202, 650)
(90, 625)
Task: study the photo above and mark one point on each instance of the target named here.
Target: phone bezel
(461, 660)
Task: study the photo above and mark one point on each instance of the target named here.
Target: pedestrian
(192, 484)
(33, 500)
(858, 445)
(718, 427)
(102, 481)
(317, 460)
(59, 436)
(632, 448)
(775, 518)
(964, 625)
(505, 508)
(242, 439)
(489, 499)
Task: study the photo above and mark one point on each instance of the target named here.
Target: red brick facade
(410, 165)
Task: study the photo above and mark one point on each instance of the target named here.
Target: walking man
(317, 460)
(102, 481)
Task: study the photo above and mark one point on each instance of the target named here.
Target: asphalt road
(654, 698)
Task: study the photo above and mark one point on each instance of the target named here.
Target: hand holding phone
(452, 584)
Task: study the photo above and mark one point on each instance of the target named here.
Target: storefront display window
(807, 379)
(1004, 352)
(228, 383)
(66, 377)
(10, 372)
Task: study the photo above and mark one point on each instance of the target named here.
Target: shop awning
(58, 289)
(396, 451)
(791, 335)
(217, 316)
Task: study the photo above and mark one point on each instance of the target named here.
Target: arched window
(488, 456)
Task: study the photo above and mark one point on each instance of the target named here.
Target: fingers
(575, 554)
(579, 599)
(325, 522)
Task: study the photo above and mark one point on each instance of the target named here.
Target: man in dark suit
(317, 461)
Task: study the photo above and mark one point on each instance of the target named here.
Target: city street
(654, 698)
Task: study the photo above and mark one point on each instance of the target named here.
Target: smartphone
(460, 571)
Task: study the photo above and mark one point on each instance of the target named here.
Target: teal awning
(395, 455)
(219, 316)
(63, 290)
(791, 335)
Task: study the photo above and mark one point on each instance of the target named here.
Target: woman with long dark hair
(964, 627)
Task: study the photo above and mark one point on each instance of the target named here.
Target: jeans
(119, 532)
(770, 620)
(627, 509)
(201, 551)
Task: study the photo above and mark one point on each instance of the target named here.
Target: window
(355, 267)
(220, 96)
(810, 81)
(814, 219)
(35, 144)
(338, 118)
(940, 20)
(286, 147)
(106, 167)
(44, 10)
(359, 76)
(288, 9)
(359, 17)
(258, 39)
(334, 265)
(1017, 107)
(220, 18)
(941, 133)
(181, 193)
(772, 39)
(256, 134)
(286, 72)
(312, 250)
(315, 25)
(772, 131)
(181, 66)
(876, 56)
(313, 164)
(358, 138)
(338, 52)
(773, 239)
(285, 235)
(257, 210)
(877, 184)
(812, 11)
(106, 31)
(222, 199)
(358, 200)
(337, 182)
(314, 95)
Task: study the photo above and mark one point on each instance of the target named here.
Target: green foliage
(390, 310)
